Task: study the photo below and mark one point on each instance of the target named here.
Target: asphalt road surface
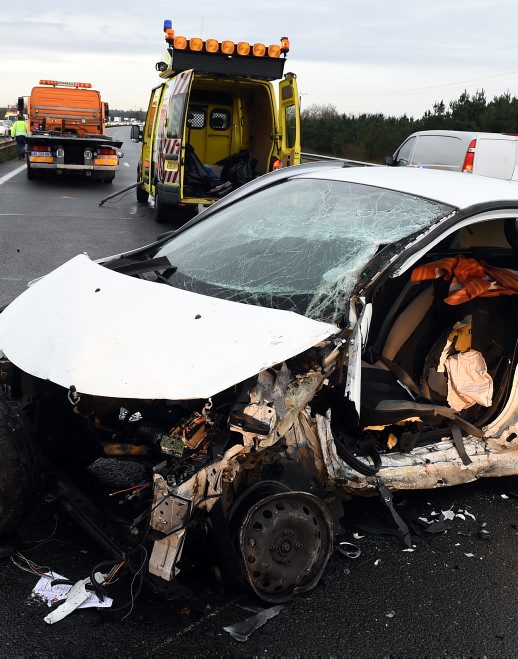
(454, 594)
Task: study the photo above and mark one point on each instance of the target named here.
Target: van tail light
(40, 148)
(276, 164)
(467, 167)
(105, 152)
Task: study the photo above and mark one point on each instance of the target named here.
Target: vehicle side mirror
(389, 160)
(136, 133)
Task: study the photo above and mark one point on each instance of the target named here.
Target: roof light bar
(61, 83)
(243, 48)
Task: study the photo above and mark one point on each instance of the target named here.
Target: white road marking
(11, 214)
(4, 179)
(126, 164)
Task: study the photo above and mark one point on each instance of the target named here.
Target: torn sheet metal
(82, 309)
(241, 631)
(166, 554)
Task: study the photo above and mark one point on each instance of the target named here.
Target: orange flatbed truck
(66, 132)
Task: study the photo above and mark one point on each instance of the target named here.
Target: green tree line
(371, 137)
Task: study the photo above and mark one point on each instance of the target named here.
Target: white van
(485, 154)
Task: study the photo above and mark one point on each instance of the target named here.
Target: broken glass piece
(448, 514)
(241, 631)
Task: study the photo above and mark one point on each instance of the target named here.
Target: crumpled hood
(108, 334)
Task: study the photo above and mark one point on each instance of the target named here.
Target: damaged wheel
(285, 541)
(18, 465)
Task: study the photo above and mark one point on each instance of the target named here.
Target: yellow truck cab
(214, 122)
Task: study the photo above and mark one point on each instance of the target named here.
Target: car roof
(464, 134)
(452, 188)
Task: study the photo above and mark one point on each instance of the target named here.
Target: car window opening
(441, 354)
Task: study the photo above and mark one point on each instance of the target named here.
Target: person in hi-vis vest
(19, 132)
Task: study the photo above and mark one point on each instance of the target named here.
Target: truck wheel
(31, 174)
(162, 211)
(108, 180)
(19, 472)
(142, 195)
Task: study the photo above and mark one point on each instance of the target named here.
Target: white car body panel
(452, 188)
(108, 334)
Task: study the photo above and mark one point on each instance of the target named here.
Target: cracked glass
(298, 245)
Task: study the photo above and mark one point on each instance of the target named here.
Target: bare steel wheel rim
(285, 543)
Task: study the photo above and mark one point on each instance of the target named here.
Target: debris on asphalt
(73, 597)
(348, 549)
(50, 594)
(469, 555)
(408, 549)
(241, 631)
(357, 536)
(377, 561)
(391, 614)
(504, 496)
(448, 514)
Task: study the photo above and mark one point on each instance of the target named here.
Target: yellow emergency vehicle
(214, 122)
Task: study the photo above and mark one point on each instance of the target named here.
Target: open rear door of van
(172, 130)
(145, 170)
(289, 121)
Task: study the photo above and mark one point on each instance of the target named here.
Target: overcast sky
(361, 56)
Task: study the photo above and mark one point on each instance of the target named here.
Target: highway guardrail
(7, 150)
(316, 157)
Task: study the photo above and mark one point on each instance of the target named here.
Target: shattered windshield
(299, 245)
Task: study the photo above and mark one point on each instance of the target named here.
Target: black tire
(162, 211)
(31, 174)
(108, 180)
(19, 465)
(142, 195)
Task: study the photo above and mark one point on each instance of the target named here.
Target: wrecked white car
(324, 331)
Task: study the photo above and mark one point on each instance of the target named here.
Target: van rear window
(438, 150)
(219, 120)
(196, 118)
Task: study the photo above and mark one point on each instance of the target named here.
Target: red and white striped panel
(172, 147)
(166, 145)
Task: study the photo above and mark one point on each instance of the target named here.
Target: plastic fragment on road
(469, 555)
(348, 549)
(45, 592)
(391, 614)
(241, 631)
(504, 496)
(448, 514)
(75, 597)
(408, 549)
(377, 561)
(357, 536)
